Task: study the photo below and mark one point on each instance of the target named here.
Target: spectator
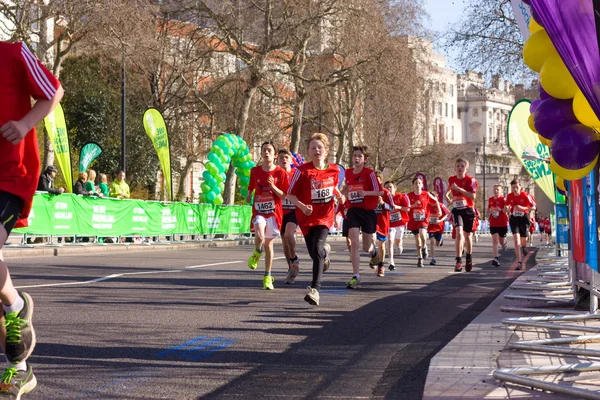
(90, 184)
(79, 187)
(46, 181)
(103, 185)
(119, 188)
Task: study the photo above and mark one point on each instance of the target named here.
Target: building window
(446, 134)
(475, 112)
(452, 133)
(446, 109)
(443, 88)
(439, 108)
(498, 134)
(451, 110)
(451, 90)
(490, 134)
(498, 117)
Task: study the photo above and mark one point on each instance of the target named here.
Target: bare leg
(354, 235)
(495, 242)
(268, 254)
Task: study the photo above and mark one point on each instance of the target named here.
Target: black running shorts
(10, 210)
(464, 217)
(519, 225)
(365, 220)
(291, 217)
(501, 231)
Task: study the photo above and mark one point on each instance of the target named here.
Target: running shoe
(14, 384)
(441, 243)
(326, 262)
(519, 266)
(400, 250)
(20, 336)
(458, 267)
(380, 270)
(424, 252)
(374, 258)
(495, 263)
(468, 265)
(523, 251)
(312, 296)
(391, 267)
(353, 283)
(432, 262)
(268, 282)
(292, 272)
(253, 260)
(420, 263)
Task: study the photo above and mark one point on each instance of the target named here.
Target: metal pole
(123, 105)
(484, 168)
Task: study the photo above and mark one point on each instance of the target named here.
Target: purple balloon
(536, 16)
(575, 146)
(543, 94)
(552, 115)
(534, 105)
(561, 191)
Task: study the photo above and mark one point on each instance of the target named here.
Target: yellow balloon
(572, 174)
(530, 123)
(560, 183)
(537, 49)
(583, 111)
(545, 141)
(534, 26)
(556, 79)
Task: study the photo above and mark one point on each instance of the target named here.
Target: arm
(449, 198)
(307, 210)
(280, 193)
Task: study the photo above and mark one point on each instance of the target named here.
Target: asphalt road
(196, 324)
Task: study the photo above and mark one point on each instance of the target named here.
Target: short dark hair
(269, 142)
(390, 182)
(514, 182)
(364, 149)
(285, 151)
(415, 179)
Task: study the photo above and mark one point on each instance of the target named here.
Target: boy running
(548, 230)
(519, 204)
(398, 220)
(22, 76)
(384, 206)
(463, 189)
(312, 190)
(419, 217)
(435, 229)
(362, 191)
(498, 220)
(288, 223)
(270, 183)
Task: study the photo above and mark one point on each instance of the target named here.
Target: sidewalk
(463, 369)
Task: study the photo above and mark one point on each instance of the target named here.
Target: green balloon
(202, 198)
(224, 159)
(222, 168)
(205, 187)
(210, 196)
(218, 200)
(223, 176)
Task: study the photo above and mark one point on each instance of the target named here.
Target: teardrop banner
(156, 129)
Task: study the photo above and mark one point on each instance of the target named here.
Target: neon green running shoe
(14, 384)
(268, 282)
(353, 283)
(253, 260)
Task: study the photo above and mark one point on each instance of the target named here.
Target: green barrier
(70, 215)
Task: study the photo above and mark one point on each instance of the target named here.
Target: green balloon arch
(228, 148)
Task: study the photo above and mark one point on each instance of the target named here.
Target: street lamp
(484, 169)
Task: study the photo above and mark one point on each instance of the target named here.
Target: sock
(14, 307)
(458, 259)
(267, 273)
(357, 276)
(259, 250)
(22, 366)
(468, 257)
(380, 265)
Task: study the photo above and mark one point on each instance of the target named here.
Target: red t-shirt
(316, 188)
(435, 225)
(22, 76)
(366, 180)
(522, 199)
(498, 218)
(548, 226)
(267, 203)
(383, 215)
(419, 216)
(398, 217)
(468, 183)
(286, 205)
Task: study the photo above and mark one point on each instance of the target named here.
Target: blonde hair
(318, 136)
(92, 175)
(500, 186)
(462, 160)
(103, 178)
(83, 176)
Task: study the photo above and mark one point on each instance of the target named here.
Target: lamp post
(483, 172)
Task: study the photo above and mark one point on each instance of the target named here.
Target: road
(196, 324)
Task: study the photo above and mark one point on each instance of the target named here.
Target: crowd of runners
(310, 196)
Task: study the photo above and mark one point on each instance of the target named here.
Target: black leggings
(315, 242)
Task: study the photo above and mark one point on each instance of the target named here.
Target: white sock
(357, 276)
(14, 307)
(22, 366)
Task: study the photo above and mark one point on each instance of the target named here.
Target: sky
(444, 13)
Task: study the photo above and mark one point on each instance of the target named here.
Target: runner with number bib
(498, 220)
(463, 189)
(419, 217)
(519, 204)
(435, 229)
(288, 223)
(384, 207)
(362, 191)
(269, 184)
(398, 220)
(312, 190)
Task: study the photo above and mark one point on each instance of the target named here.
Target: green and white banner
(89, 152)
(92, 216)
(57, 131)
(156, 130)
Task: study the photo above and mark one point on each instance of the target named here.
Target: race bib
(323, 195)
(264, 204)
(460, 203)
(288, 205)
(495, 213)
(418, 216)
(354, 194)
(518, 213)
(434, 220)
(395, 217)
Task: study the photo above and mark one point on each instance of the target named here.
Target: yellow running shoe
(253, 260)
(268, 282)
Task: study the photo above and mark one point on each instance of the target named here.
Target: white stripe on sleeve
(38, 74)
(294, 180)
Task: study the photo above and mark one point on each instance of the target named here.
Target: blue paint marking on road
(335, 292)
(180, 346)
(212, 350)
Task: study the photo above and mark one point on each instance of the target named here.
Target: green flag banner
(89, 152)
(523, 141)
(69, 215)
(57, 131)
(156, 130)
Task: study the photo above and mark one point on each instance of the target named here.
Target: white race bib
(288, 205)
(395, 217)
(323, 195)
(355, 194)
(264, 204)
(518, 213)
(495, 213)
(460, 204)
(419, 216)
(434, 220)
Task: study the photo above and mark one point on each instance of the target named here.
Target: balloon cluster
(226, 148)
(561, 116)
(298, 160)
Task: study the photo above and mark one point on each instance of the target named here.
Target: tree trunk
(298, 116)
(180, 196)
(46, 54)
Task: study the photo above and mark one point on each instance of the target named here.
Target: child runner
(398, 220)
(288, 223)
(541, 227)
(463, 189)
(270, 183)
(312, 190)
(531, 231)
(498, 222)
(519, 204)
(385, 205)
(362, 191)
(22, 76)
(435, 229)
(476, 226)
(548, 230)
(419, 217)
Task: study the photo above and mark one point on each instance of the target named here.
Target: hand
(13, 131)
(454, 187)
(307, 210)
(271, 181)
(61, 190)
(380, 200)
(361, 193)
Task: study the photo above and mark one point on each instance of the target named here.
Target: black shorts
(464, 217)
(519, 225)
(291, 217)
(10, 210)
(365, 220)
(436, 235)
(345, 227)
(501, 231)
(417, 231)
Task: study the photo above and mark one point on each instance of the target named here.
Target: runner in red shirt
(269, 184)
(312, 190)
(398, 220)
(463, 189)
(519, 204)
(548, 230)
(498, 222)
(541, 226)
(531, 230)
(288, 223)
(362, 191)
(419, 217)
(383, 209)
(22, 76)
(435, 229)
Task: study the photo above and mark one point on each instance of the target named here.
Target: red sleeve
(285, 181)
(390, 199)
(474, 185)
(293, 189)
(42, 84)
(374, 182)
(405, 202)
